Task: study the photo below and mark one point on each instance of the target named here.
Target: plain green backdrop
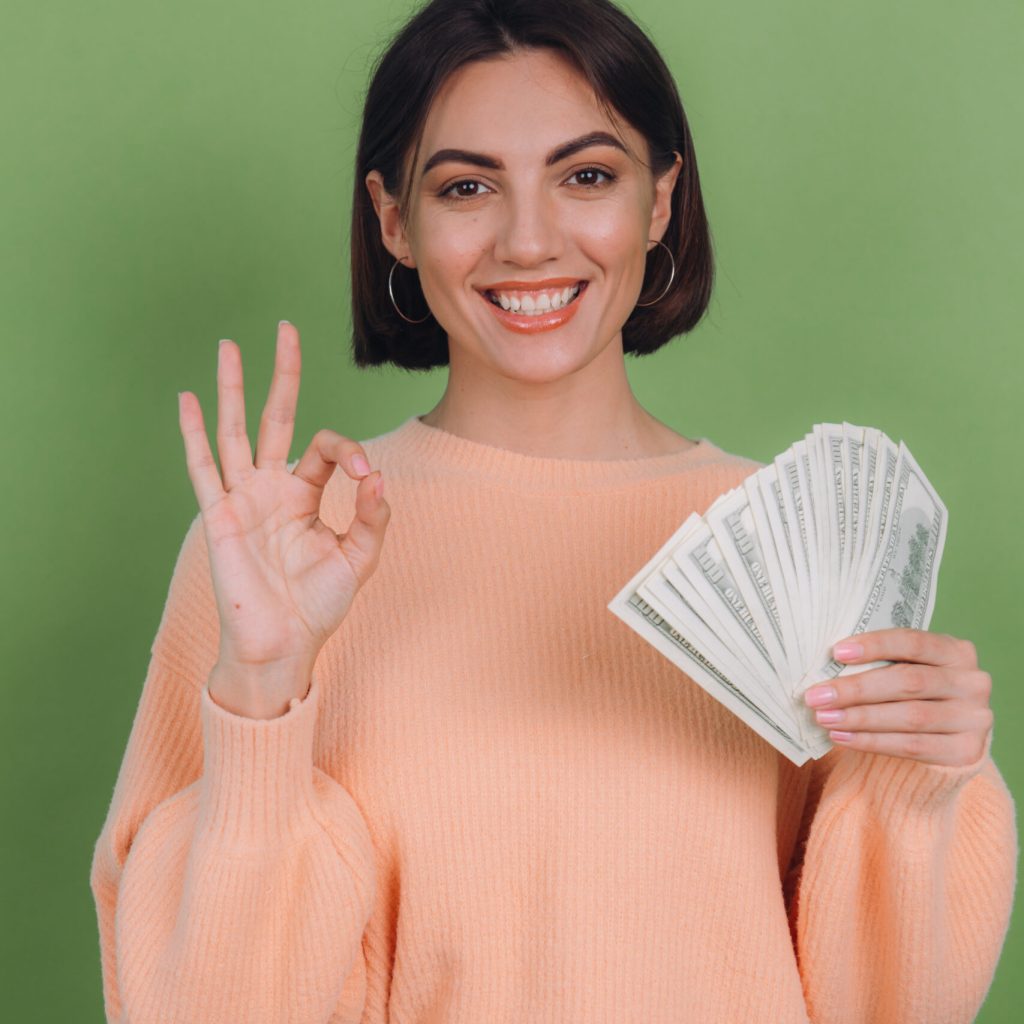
(175, 174)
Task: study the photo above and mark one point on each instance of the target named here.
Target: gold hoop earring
(671, 276)
(395, 304)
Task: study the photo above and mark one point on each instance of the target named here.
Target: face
(529, 219)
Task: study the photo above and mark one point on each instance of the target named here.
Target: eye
(589, 172)
(452, 191)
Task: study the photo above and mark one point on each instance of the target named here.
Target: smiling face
(529, 218)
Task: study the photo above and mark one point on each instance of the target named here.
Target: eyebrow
(559, 153)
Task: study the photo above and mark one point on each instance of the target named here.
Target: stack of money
(840, 534)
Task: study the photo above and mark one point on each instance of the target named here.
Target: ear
(391, 230)
(661, 212)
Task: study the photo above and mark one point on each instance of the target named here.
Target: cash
(840, 534)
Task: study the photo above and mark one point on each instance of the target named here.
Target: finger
(327, 450)
(952, 750)
(902, 680)
(232, 440)
(362, 544)
(277, 423)
(900, 644)
(202, 470)
(907, 716)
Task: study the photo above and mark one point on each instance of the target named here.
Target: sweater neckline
(432, 446)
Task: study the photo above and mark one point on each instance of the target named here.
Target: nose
(529, 232)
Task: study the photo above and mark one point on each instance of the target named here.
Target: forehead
(516, 106)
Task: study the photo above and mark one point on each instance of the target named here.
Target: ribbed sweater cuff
(257, 783)
(902, 784)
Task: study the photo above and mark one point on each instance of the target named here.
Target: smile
(540, 309)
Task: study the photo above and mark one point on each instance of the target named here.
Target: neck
(590, 414)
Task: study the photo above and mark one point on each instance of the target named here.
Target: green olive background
(172, 174)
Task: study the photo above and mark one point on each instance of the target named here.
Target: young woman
(472, 794)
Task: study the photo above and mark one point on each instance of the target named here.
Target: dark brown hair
(627, 75)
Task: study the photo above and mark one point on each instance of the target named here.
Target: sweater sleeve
(232, 878)
(900, 888)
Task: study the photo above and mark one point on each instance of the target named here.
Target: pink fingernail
(818, 695)
(360, 464)
(841, 736)
(847, 650)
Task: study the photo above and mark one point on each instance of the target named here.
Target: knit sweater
(497, 804)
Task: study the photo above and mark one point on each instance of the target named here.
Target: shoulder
(725, 466)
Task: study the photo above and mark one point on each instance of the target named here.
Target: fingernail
(280, 322)
(841, 736)
(829, 717)
(360, 464)
(847, 650)
(816, 696)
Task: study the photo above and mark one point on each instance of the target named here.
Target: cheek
(610, 234)
(450, 252)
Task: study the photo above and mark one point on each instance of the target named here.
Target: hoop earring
(671, 276)
(395, 304)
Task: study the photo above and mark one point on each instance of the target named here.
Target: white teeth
(528, 305)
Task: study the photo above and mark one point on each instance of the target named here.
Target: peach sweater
(498, 805)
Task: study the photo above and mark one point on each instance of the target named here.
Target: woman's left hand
(931, 705)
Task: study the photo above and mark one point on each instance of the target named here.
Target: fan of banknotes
(840, 534)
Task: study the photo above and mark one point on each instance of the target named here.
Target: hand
(931, 705)
(283, 580)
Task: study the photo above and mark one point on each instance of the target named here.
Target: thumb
(361, 544)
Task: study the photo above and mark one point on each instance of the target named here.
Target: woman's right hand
(282, 578)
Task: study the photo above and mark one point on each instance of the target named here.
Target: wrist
(259, 691)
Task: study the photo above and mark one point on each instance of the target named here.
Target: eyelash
(447, 194)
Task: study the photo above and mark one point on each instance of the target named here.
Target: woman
(472, 794)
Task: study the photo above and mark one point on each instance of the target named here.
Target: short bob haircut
(627, 75)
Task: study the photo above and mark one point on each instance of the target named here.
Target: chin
(538, 359)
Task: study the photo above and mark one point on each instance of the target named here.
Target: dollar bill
(841, 533)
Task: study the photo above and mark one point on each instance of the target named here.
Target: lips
(530, 323)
